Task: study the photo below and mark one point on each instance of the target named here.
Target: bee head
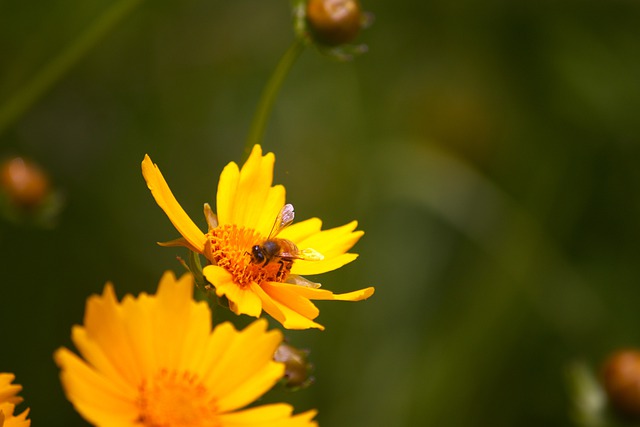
(257, 254)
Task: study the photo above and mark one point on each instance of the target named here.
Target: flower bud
(621, 380)
(26, 185)
(334, 22)
(297, 368)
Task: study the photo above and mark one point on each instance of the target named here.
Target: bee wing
(289, 250)
(286, 215)
(284, 218)
(310, 254)
(294, 279)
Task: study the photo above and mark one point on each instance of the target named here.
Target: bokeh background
(490, 150)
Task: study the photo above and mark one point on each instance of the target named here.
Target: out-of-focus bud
(297, 367)
(26, 185)
(26, 194)
(621, 380)
(334, 22)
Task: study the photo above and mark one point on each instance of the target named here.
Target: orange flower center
(173, 399)
(230, 247)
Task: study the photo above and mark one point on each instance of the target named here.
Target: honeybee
(284, 251)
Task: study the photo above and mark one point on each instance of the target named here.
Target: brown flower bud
(24, 182)
(334, 22)
(621, 379)
(297, 368)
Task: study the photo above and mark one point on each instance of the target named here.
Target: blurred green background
(490, 151)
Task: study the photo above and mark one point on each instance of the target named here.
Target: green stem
(270, 93)
(21, 101)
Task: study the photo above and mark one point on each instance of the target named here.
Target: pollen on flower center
(172, 399)
(229, 247)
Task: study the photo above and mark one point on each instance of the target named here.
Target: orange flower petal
(289, 318)
(268, 304)
(289, 297)
(241, 300)
(323, 294)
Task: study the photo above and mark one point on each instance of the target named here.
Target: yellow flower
(251, 275)
(153, 361)
(8, 401)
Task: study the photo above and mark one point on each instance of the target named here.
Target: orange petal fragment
(323, 294)
(289, 318)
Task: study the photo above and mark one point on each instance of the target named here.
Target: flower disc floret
(229, 246)
(176, 399)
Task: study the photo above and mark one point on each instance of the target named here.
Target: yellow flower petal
(334, 241)
(93, 352)
(240, 377)
(104, 326)
(323, 294)
(259, 383)
(332, 244)
(276, 415)
(225, 198)
(177, 335)
(9, 419)
(242, 301)
(269, 210)
(290, 297)
(268, 304)
(222, 337)
(8, 391)
(289, 318)
(299, 231)
(165, 199)
(309, 268)
(245, 197)
(8, 400)
(93, 396)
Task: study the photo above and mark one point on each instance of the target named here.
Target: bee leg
(281, 262)
(285, 268)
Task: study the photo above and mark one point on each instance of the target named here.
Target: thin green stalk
(270, 93)
(21, 101)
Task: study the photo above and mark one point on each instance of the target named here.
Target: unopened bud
(334, 22)
(297, 368)
(621, 379)
(26, 185)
